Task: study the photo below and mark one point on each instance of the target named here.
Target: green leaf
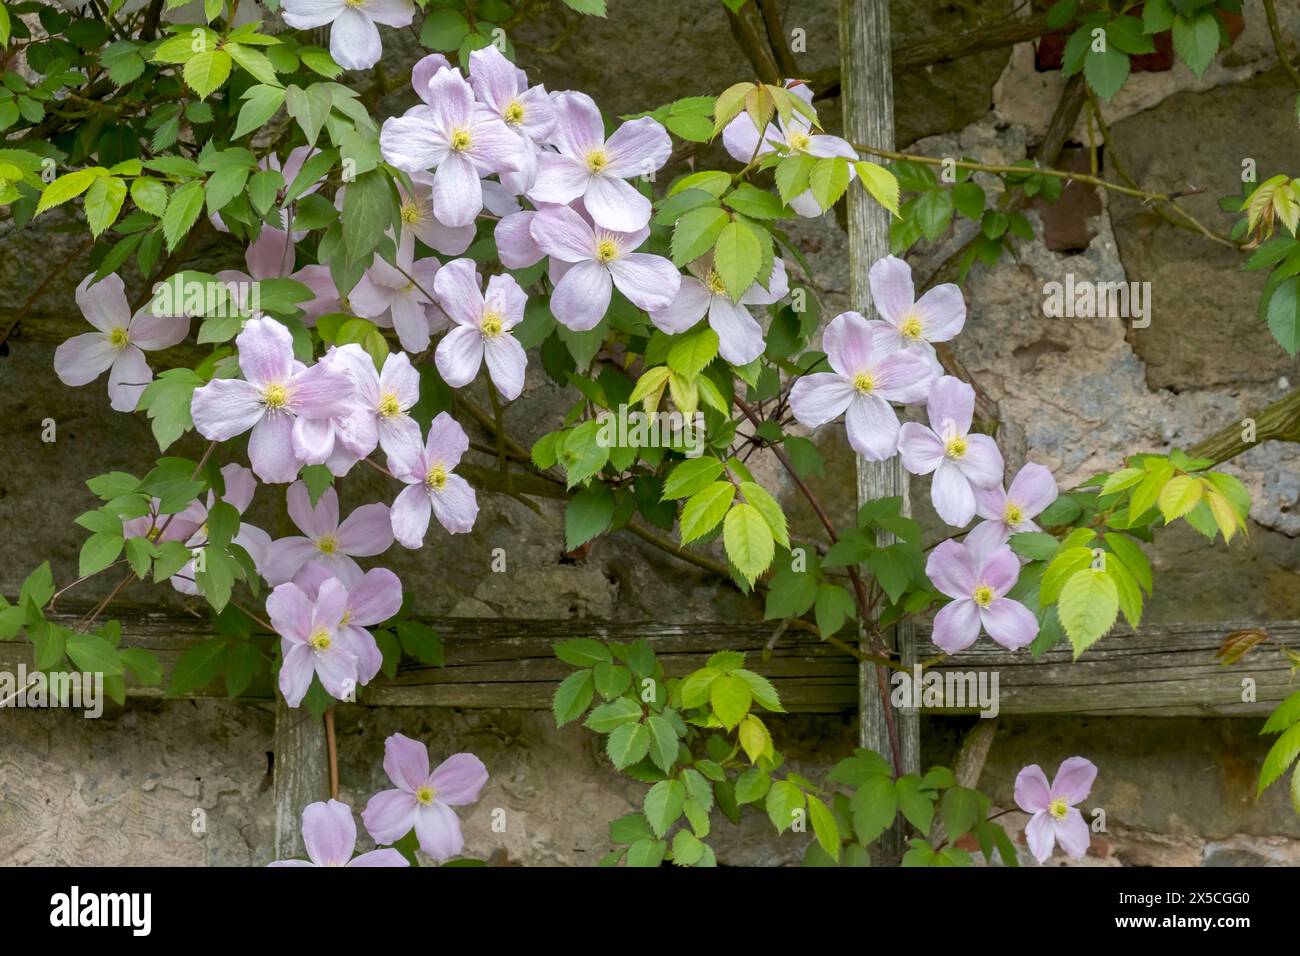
(730, 698)
(367, 212)
(587, 515)
(1196, 40)
(150, 195)
(444, 29)
(572, 697)
(916, 804)
(592, 8)
(260, 104)
(961, 809)
(874, 805)
(629, 828)
(197, 667)
(828, 180)
(749, 200)
(645, 852)
(206, 71)
(693, 350)
(1284, 315)
(310, 108)
(1035, 545)
(1280, 756)
(824, 826)
(99, 551)
(737, 256)
(616, 713)
(67, 187)
(705, 509)
(696, 232)
(93, 654)
(254, 62)
(1106, 70)
(627, 744)
(690, 477)
(663, 741)
(582, 651)
(420, 641)
(880, 183)
(663, 805)
(784, 800)
(182, 212)
(1179, 496)
(758, 496)
(1088, 606)
(103, 203)
(143, 665)
(1061, 569)
(1157, 16)
(749, 541)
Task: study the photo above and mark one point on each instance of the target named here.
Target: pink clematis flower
(911, 324)
(277, 398)
(431, 486)
(118, 344)
(423, 801)
(311, 640)
(399, 296)
(330, 835)
(364, 533)
(503, 90)
(977, 584)
(454, 138)
(795, 135)
(740, 337)
(596, 260)
(1010, 512)
(383, 400)
(239, 487)
(960, 461)
(483, 321)
(373, 598)
(418, 218)
(354, 38)
(595, 170)
(865, 380)
(1056, 817)
(516, 247)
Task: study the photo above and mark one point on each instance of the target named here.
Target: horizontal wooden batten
(1162, 670)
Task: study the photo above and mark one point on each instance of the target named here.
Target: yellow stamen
(436, 479)
(275, 396)
(1013, 514)
(955, 447)
(864, 383)
(715, 283)
(346, 618)
(425, 794)
(798, 141)
(514, 113)
(983, 595)
(597, 160)
(411, 213)
(460, 140)
(118, 338)
(606, 250)
(320, 640)
(491, 325)
(355, 3)
(327, 544)
(389, 407)
(1058, 808)
(911, 328)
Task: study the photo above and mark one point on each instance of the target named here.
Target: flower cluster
(422, 802)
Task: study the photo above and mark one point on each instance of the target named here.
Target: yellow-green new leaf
(1179, 496)
(1088, 607)
(103, 202)
(749, 541)
(705, 509)
(68, 187)
(206, 71)
(880, 183)
(758, 496)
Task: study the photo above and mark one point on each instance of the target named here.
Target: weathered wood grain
(1163, 670)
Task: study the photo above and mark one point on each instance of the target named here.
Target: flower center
(491, 325)
(118, 338)
(355, 3)
(460, 140)
(275, 396)
(597, 160)
(955, 447)
(983, 595)
(715, 283)
(320, 640)
(606, 250)
(436, 479)
(327, 544)
(389, 406)
(424, 796)
(798, 141)
(514, 113)
(1013, 514)
(864, 383)
(411, 212)
(911, 328)
(1058, 808)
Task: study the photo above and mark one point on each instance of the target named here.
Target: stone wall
(1075, 395)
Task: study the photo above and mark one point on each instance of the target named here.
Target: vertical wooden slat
(868, 104)
(300, 774)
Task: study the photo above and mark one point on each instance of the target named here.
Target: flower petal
(638, 148)
(951, 405)
(270, 449)
(1009, 623)
(459, 355)
(354, 40)
(1074, 780)
(329, 832)
(582, 295)
(1031, 792)
(956, 626)
(455, 505)
(649, 282)
(226, 407)
(390, 815)
(616, 204)
(821, 397)
(951, 568)
(848, 343)
(872, 427)
(375, 598)
(951, 495)
(1040, 835)
(740, 338)
(410, 516)
(438, 829)
(457, 191)
(689, 306)
(892, 289)
(265, 352)
(921, 449)
(506, 362)
(1072, 834)
(104, 303)
(943, 313)
(1033, 489)
(458, 779)
(367, 531)
(83, 358)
